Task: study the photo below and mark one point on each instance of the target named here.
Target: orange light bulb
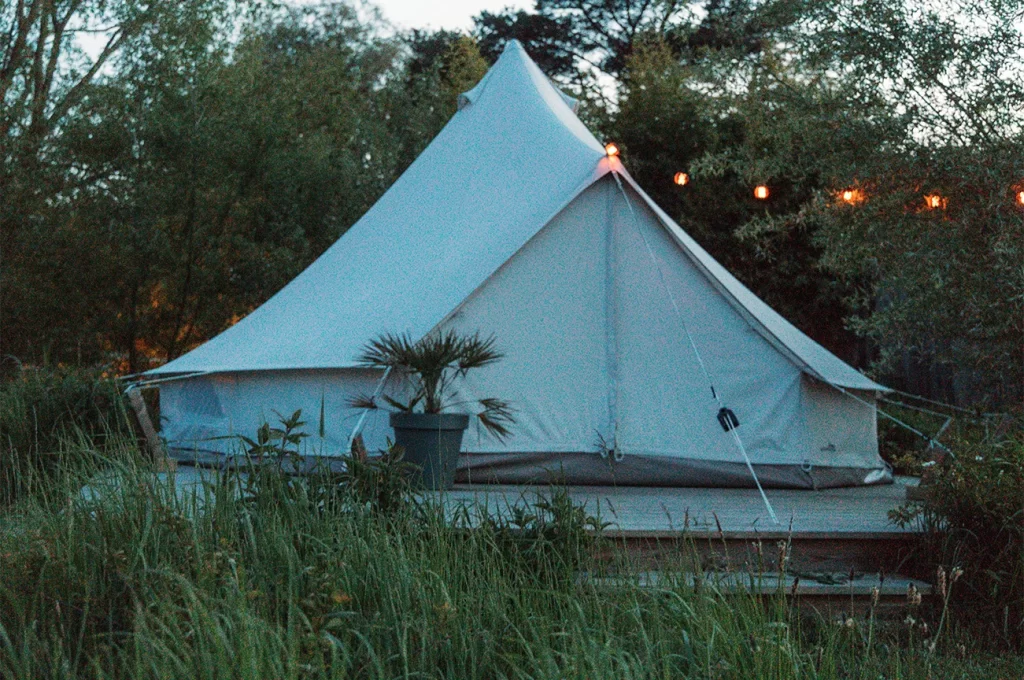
(852, 196)
(611, 149)
(761, 192)
(682, 179)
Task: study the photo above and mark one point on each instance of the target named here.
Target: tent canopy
(510, 160)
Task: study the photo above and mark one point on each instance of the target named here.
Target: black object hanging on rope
(727, 419)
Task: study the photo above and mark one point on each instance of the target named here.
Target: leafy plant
(975, 512)
(379, 482)
(550, 537)
(435, 364)
(277, 443)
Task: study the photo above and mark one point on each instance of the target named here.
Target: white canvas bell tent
(623, 338)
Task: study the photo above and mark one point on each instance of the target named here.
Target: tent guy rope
(723, 409)
(910, 428)
(362, 416)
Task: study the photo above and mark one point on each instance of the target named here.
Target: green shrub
(975, 510)
(51, 419)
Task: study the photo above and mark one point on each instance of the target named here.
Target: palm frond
(434, 363)
(496, 416)
(394, 403)
(365, 401)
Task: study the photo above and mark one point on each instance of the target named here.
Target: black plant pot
(432, 442)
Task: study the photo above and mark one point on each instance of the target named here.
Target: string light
(935, 202)
(611, 149)
(852, 196)
(761, 192)
(682, 179)
(1020, 197)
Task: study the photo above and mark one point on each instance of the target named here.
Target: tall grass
(267, 576)
(52, 420)
(273, 577)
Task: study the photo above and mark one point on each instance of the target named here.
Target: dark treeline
(166, 167)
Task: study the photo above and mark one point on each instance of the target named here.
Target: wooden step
(831, 594)
(823, 552)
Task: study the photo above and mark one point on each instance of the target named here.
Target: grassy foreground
(348, 578)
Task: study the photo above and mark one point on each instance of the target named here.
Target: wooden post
(153, 443)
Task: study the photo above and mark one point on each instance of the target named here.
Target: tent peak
(515, 62)
(513, 44)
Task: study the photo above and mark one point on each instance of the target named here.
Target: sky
(451, 14)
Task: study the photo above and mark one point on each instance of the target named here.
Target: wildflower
(956, 574)
(340, 597)
(783, 557)
(849, 623)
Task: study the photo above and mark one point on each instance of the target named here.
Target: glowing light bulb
(852, 196)
(761, 192)
(935, 201)
(682, 179)
(611, 149)
(1020, 197)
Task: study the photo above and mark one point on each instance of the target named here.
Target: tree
(584, 43)
(891, 101)
(246, 172)
(573, 39)
(548, 39)
(50, 86)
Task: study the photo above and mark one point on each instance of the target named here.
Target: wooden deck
(839, 542)
(656, 513)
(646, 512)
(829, 534)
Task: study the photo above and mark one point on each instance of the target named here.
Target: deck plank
(860, 512)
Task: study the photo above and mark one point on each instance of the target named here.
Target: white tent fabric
(515, 222)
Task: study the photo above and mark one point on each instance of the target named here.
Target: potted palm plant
(428, 425)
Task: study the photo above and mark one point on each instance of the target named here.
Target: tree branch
(13, 57)
(76, 92)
